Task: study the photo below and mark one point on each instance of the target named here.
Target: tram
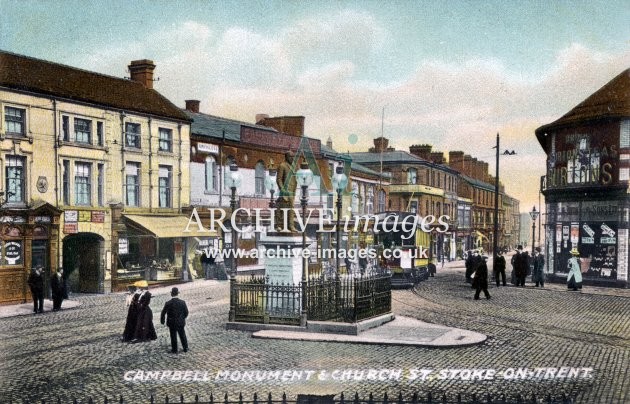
(402, 250)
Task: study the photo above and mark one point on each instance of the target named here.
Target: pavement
(26, 309)
(547, 342)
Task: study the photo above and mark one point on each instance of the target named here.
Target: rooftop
(22, 73)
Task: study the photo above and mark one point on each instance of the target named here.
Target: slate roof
(396, 157)
(213, 126)
(363, 169)
(24, 73)
(478, 183)
(610, 101)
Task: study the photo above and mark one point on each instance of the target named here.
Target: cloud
(312, 68)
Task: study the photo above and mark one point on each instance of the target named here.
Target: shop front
(156, 249)
(599, 231)
(28, 238)
(586, 186)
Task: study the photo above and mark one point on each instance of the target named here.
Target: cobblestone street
(77, 353)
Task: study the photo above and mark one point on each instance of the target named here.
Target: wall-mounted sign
(12, 219)
(123, 246)
(70, 228)
(208, 148)
(98, 216)
(43, 219)
(85, 216)
(13, 252)
(70, 216)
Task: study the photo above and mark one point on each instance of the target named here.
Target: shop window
(165, 186)
(82, 183)
(15, 177)
(132, 192)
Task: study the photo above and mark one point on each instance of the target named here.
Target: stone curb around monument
(387, 334)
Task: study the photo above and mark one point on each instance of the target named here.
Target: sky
(448, 73)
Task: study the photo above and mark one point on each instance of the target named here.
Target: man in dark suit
(36, 283)
(176, 311)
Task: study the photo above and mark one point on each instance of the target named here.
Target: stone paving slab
(401, 331)
(27, 308)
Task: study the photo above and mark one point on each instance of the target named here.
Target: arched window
(260, 178)
(211, 174)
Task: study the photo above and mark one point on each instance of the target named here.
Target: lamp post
(340, 182)
(534, 215)
(304, 178)
(233, 181)
(271, 185)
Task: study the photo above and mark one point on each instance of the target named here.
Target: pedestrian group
(523, 265)
(58, 289)
(139, 323)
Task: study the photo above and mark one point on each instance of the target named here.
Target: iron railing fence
(343, 299)
(342, 398)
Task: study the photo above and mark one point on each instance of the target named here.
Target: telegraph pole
(495, 239)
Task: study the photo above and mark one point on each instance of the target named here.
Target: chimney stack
(329, 143)
(437, 157)
(290, 125)
(192, 105)
(380, 144)
(421, 150)
(456, 160)
(142, 72)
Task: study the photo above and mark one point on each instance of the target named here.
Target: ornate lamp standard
(232, 180)
(340, 182)
(271, 185)
(534, 215)
(304, 178)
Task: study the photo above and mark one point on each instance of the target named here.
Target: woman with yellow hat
(574, 279)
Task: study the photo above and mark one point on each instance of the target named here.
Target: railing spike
(356, 397)
(166, 399)
(430, 397)
(121, 400)
(181, 398)
(196, 398)
(385, 398)
(151, 399)
(269, 399)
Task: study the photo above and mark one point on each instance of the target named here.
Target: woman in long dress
(145, 330)
(132, 316)
(574, 279)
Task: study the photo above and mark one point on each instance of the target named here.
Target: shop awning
(167, 226)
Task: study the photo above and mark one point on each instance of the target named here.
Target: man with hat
(176, 312)
(574, 279)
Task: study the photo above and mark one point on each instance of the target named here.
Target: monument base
(283, 261)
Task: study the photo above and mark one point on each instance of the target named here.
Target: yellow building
(88, 159)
